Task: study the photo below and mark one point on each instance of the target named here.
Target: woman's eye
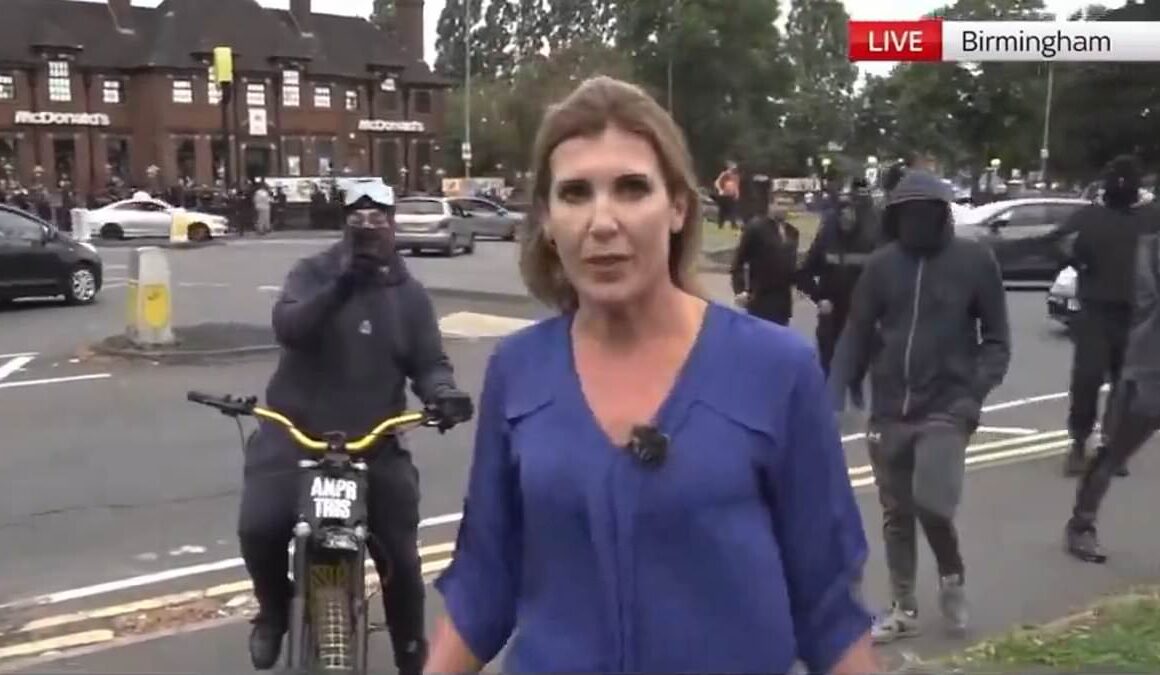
(634, 186)
(574, 192)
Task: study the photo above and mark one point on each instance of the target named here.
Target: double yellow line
(34, 637)
(993, 452)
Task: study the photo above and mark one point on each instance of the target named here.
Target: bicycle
(328, 617)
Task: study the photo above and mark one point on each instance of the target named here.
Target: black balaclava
(1122, 183)
(922, 225)
(376, 242)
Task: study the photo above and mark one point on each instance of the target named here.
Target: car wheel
(449, 252)
(112, 231)
(81, 286)
(199, 232)
(511, 234)
(470, 247)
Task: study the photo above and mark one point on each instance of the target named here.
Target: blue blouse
(740, 553)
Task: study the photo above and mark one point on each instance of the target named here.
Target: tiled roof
(168, 36)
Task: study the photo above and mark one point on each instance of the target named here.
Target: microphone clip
(648, 446)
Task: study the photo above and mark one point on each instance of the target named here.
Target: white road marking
(1013, 431)
(1053, 447)
(171, 574)
(17, 354)
(270, 289)
(55, 380)
(116, 267)
(201, 284)
(14, 365)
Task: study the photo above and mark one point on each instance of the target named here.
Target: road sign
(466, 152)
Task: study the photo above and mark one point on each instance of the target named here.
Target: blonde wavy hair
(599, 103)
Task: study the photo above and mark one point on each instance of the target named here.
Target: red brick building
(93, 89)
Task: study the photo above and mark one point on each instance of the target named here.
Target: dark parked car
(38, 260)
(1024, 234)
(488, 219)
(424, 223)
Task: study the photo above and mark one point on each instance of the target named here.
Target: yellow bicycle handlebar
(387, 426)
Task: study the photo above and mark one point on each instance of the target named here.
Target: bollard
(81, 229)
(179, 227)
(150, 320)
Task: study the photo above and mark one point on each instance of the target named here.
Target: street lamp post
(1043, 151)
(467, 88)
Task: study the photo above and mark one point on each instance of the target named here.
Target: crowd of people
(624, 447)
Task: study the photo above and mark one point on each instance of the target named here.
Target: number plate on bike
(333, 498)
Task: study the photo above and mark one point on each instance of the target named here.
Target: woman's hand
(449, 653)
(859, 659)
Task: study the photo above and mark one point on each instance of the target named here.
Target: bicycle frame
(328, 618)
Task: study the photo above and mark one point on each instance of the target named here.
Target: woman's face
(611, 216)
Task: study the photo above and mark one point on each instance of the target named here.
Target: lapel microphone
(648, 446)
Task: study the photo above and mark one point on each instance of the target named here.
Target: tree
(720, 59)
(820, 107)
(383, 14)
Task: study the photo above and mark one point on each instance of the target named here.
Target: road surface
(116, 491)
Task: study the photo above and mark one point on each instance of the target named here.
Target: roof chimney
(302, 15)
(408, 26)
(122, 11)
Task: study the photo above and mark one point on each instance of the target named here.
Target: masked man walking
(929, 320)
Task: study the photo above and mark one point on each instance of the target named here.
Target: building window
(291, 89)
(59, 81)
(9, 156)
(325, 151)
(351, 99)
(423, 102)
(256, 94)
(114, 91)
(293, 151)
(186, 159)
(117, 158)
(213, 91)
(322, 96)
(7, 87)
(182, 91)
(391, 100)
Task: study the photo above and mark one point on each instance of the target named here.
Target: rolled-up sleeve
(819, 527)
(480, 586)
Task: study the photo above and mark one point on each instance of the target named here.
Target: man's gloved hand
(361, 270)
(454, 407)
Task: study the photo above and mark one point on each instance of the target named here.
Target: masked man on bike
(354, 327)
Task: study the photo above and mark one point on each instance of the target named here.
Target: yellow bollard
(150, 318)
(179, 227)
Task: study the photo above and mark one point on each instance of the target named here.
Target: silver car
(432, 223)
(488, 219)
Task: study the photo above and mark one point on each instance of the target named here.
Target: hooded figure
(1136, 404)
(831, 268)
(1104, 255)
(354, 327)
(928, 319)
(765, 266)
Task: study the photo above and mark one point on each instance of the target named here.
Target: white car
(143, 216)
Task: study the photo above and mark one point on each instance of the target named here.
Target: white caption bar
(1050, 41)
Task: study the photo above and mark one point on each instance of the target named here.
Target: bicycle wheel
(361, 610)
(331, 617)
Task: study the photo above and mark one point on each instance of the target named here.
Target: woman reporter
(658, 481)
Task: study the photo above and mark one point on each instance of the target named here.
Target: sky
(858, 9)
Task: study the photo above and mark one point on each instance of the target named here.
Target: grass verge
(714, 238)
(1117, 634)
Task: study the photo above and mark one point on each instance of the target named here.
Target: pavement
(120, 499)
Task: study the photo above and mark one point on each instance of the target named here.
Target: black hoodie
(347, 356)
(929, 315)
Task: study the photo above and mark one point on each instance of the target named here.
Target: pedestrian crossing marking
(475, 325)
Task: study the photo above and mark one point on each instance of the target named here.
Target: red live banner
(896, 40)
